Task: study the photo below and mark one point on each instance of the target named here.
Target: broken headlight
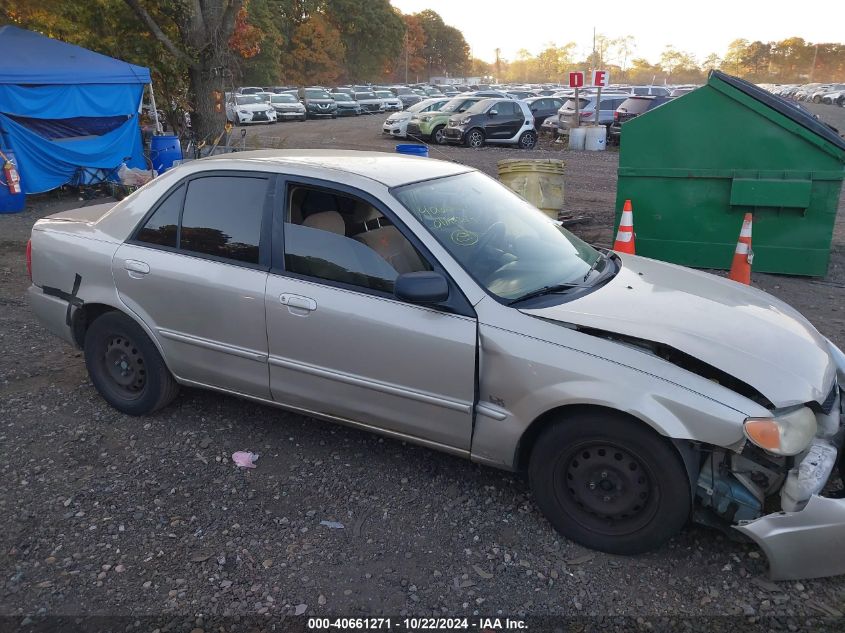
(787, 433)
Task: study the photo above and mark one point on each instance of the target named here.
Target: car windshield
(249, 99)
(364, 95)
(340, 96)
(455, 104)
(283, 99)
(384, 94)
(570, 104)
(505, 243)
(317, 94)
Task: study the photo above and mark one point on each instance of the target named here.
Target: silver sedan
(423, 300)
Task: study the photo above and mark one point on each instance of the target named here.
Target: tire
(609, 483)
(474, 138)
(528, 140)
(817, 99)
(142, 384)
(437, 136)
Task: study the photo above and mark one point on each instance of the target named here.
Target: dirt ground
(101, 513)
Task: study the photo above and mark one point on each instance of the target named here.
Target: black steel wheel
(475, 138)
(609, 482)
(125, 366)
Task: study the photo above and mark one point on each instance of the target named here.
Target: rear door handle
(136, 267)
(297, 304)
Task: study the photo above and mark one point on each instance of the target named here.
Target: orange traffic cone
(625, 237)
(743, 255)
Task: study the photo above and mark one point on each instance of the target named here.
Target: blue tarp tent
(69, 114)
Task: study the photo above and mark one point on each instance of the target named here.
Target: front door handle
(297, 304)
(135, 268)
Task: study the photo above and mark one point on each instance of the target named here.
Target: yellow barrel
(539, 181)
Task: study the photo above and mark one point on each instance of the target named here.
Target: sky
(510, 26)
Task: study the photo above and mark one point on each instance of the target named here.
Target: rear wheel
(528, 140)
(125, 366)
(609, 483)
(475, 138)
(437, 136)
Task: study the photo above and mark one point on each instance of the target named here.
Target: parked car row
(830, 93)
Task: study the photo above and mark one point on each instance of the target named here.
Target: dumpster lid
(784, 107)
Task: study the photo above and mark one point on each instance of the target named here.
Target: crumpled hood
(745, 332)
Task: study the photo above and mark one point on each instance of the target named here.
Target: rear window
(570, 104)
(634, 106)
(222, 217)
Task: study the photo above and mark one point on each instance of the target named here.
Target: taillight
(586, 115)
(29, 258)
(615, 116)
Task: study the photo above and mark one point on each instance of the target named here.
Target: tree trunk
(205, 122)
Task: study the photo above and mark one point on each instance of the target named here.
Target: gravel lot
(101, 513)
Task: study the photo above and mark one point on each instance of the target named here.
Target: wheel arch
(86, 314)
(688, 452)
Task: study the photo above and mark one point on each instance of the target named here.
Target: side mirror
(426, 287)
(493, 113)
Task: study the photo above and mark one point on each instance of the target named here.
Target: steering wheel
(496, 231)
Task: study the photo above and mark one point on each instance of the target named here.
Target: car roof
(391, 170)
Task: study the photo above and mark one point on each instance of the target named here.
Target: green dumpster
(694, 166)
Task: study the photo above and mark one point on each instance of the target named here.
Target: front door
(340, 343)
(506, 122)
(193, 274)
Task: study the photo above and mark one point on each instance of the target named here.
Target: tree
(445, 50)
(204, 29)
(372, 33)
(317, 53)
(623, 49)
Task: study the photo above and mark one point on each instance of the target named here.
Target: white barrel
(596, 138)
(577, 136)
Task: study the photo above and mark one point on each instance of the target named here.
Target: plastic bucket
(596, 140)
(539, 181)
(577, 137)
(412, 150)
(163, 151)
(10, 202)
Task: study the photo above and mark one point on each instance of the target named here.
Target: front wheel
(528, 140)
(475, 138)
(437, 135)
(125, 366)
(607, 482)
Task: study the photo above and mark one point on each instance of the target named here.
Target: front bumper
(393, 129)
(413, 130)
(453, 134)
(809, 540)
(290, 114)
(257, 117)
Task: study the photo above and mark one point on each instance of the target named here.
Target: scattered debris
(482, 573)
(244, 459)
(332, 525)
(300, 609)
(580, 560)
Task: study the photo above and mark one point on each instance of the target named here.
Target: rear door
(340, 343)
(195, 273)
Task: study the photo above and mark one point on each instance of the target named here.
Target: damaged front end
(784, 503)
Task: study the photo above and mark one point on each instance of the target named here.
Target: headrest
(330, 221)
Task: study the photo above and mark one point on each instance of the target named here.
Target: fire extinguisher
(10, 173)
(12, 178)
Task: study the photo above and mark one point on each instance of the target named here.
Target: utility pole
(813, 67)
(498, 65)
(406, 57)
